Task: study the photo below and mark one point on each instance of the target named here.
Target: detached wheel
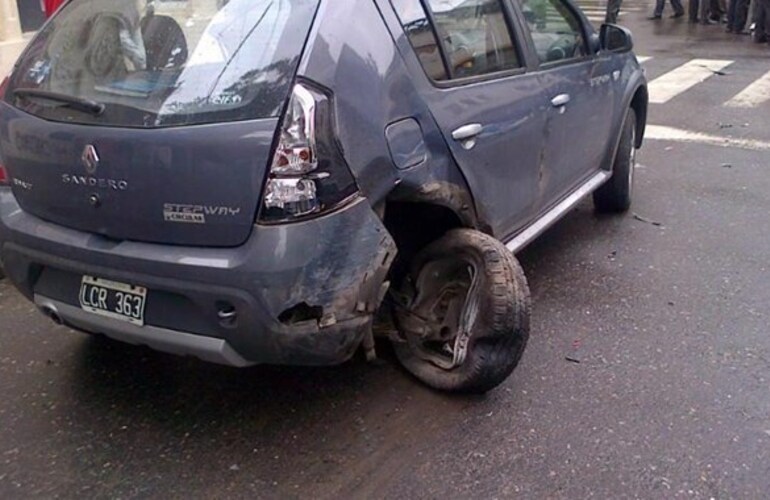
(465, 317)
(615, 195)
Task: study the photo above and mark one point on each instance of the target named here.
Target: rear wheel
(464, 313)
(615, 195)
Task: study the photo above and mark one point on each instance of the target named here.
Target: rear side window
(471, 37)
(422, 37)
(162, 63)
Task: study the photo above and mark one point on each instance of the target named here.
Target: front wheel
(615, 195)
(464, 318)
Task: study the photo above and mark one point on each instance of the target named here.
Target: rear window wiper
(79, 103)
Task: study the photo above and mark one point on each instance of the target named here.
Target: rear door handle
(560, 100)
(466, 135)
(467, 132)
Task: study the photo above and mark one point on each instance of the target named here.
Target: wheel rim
(444, 312)
(632, 160)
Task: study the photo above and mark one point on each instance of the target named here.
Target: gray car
(284, 181)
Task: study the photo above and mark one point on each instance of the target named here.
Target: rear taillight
(309, 175)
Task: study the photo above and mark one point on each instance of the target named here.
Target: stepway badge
(195, 214)
(188, 214)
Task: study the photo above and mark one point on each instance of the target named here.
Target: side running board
(537, 228)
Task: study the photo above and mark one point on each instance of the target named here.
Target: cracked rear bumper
(336, 263)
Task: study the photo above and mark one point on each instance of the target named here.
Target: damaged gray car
(284, 181)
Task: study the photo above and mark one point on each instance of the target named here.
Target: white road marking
(643, 59)
(663, 133)
(680, 79)
(589, 9)
(753, 95)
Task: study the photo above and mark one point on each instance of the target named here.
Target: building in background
(18, 17)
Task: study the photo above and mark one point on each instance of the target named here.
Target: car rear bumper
(304, 293)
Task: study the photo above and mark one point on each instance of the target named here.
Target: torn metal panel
(343, 279)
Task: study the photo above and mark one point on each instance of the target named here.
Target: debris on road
(648, 221)
(573, 357)
(715, 71)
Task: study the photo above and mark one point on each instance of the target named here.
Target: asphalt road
(665, 309)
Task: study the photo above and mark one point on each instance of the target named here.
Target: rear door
(579, 87)
(489, 107)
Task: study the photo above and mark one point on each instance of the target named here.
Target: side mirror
(615, 38)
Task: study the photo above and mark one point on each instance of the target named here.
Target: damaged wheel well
(413, 226)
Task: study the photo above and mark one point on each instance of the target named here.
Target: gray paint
(208, 166)
(406, 143)
(277, 268)
(578, 132)
(183, 344)
(528, 158)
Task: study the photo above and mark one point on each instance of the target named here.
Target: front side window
(149, 63)
(474, 36)
(556, 32)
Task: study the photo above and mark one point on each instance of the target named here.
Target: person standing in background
(761, 20)
(704, 12)
(50, 6)
(675, 4)
(699, 11)
(692, 10)
(737, 11)
(613, 9)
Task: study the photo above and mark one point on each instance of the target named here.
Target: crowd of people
(742, 17)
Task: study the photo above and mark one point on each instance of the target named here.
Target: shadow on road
(341, 429)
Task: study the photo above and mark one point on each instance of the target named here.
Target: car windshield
(154, 63)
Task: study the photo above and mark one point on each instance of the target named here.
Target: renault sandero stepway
(284, 181)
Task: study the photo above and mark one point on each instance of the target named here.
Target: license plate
(113, 300)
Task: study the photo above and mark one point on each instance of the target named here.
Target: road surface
(663, 312)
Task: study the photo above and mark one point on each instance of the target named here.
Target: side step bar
(537, 228)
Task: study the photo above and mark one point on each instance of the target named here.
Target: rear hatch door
(152, 121)
(195, 185)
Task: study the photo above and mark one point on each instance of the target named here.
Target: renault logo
(90, 159)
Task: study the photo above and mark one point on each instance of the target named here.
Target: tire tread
(496, 348)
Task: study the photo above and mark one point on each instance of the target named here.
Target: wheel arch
(415, 218)
(639, 105)
(636, 100)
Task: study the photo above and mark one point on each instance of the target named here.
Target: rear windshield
(155, 63)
